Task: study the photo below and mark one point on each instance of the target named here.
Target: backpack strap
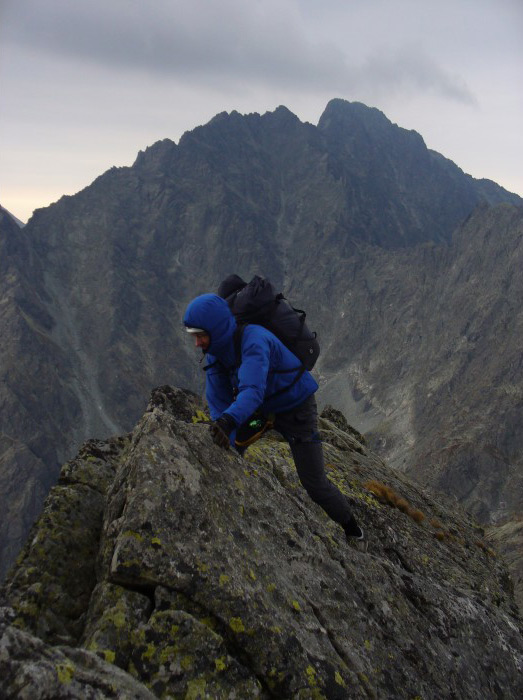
(237, 340)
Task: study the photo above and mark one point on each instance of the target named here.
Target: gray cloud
(411, 70)
(198, 39)
(231, 41)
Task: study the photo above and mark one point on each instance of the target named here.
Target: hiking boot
(356, 537)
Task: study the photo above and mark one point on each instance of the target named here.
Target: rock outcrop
(163, 566)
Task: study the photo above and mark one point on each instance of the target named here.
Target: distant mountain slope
(4, 212)
(97, 282)
(431, 361)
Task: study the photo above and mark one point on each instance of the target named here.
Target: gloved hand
(220, 430)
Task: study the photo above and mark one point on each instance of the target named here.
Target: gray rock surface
(217, 577)
(33, 670)
(507, 538)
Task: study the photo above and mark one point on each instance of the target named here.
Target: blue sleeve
(218, 391)
(252, 376)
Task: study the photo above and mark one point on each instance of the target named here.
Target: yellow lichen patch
(296, 605)
(187, 662)
(339, 680)
(236, 624)
(220, 664)
(65, 672)
(134, 535)
(196, 689)
(109, 655)
(224, 579)
(149, 652)
(252, 575)
(271, 587)
(200, 417)
(156, 541)
(117, 618)
(166, 654)
(208, 622)
(311, 676)
(368, 498)
(131, 563)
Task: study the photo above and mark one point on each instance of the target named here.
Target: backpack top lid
(230, 285)
(254, 299)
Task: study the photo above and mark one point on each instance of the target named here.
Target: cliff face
(36, 400)
(433, 357)
(201, 574)
(353, 219)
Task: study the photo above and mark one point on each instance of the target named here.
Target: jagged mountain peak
(6, 219)
(282, 115)
(199, 573)
(342, 116)
(158, 152)
(344, 109)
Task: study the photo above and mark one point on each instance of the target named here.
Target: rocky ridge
(163, 566)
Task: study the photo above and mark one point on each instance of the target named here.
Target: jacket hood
(211, 313)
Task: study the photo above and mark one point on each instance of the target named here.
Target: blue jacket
(240, 391)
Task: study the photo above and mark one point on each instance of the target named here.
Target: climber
(263, 380)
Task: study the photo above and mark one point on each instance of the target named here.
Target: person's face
(202, 340)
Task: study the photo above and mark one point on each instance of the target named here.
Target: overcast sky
(86, 84)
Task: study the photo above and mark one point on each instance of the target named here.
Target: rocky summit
(163, 566)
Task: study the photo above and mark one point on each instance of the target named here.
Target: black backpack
(257, 302)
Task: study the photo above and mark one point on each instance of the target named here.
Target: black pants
(300, 428)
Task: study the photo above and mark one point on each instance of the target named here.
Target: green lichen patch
(65, 672)
(176, 654)
(236, 624)
(114, 614)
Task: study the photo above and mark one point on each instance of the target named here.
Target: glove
(220, 430)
